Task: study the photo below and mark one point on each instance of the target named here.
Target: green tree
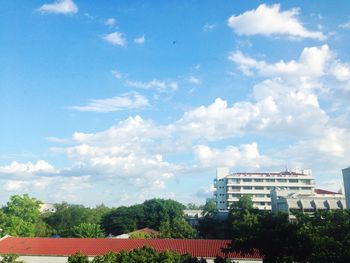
(209, 209)
(78, 258)
(176, 228)
(121, 220)
(87, 230)
(21, 217)
(11, 258)
(68, 216)
(159, 210)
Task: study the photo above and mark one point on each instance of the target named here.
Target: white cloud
(345, 25)
(126, 101)
(312, 62)
(116, 38)
(341, 71)
(140, 40)
(194, 80)
(269, 20)
(208, 27)
(153, 84)
(111, 21)
(59, 7)
(246, 155)
(16, 168)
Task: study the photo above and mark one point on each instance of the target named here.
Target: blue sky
(122, 101)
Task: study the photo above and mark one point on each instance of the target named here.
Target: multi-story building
(231, 186)
(288, 201)
(346, 181)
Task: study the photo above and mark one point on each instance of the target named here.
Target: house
(57, 250)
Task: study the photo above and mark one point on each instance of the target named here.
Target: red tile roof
(99, 246)
(324, 192)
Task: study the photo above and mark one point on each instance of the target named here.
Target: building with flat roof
(288, 201)
(231, 186)
(346, 181)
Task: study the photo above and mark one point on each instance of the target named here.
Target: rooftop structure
(288, 201)
(58, 249)
(231, 186)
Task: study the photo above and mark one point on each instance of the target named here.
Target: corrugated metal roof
(100, 246)
(324, 192)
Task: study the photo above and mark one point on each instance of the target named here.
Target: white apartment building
(231, 186)
(346, 181)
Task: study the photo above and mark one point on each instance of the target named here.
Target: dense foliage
(321, 237)
(140, 255)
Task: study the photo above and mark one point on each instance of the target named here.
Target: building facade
(231, 186)
(346, 181)
(288, 201)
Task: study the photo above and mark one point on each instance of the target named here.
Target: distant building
(57, 250)
(193, 215)
(288, 201)
(231, 186)
(346, 181)
(47, 208)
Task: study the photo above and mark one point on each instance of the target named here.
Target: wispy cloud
(194, 80)
(111, 21)
(140, 40)
(116, 38)
(208, 27)
(59, 7)
(127, 101)
(270, 20)
(345, 25)
(153, 84)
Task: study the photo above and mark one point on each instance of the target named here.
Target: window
(235, 187)
(293, 188)
(258, 180)
(259, 195)
(282, 180)
(247, 180)
(259, 188)
(247, 187)
(293, 180)
(270, 180)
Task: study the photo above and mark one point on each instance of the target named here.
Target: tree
(11, 258)
(121, 220)
(21, 217)
(68, 216)
(176, 228)
(86, 230)
(159, 210)
(209, 209)
(78, 258)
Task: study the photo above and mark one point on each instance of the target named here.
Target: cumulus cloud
(270, 20)
(16, 168)
(311, 62)
(246, 155)
(59, 7)
(140, 40)
(126, 101)
(116, 38)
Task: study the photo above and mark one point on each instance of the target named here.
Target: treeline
(323, 236)
(21, 217)
(140, 255)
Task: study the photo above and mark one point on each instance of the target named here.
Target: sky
(116, 102)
